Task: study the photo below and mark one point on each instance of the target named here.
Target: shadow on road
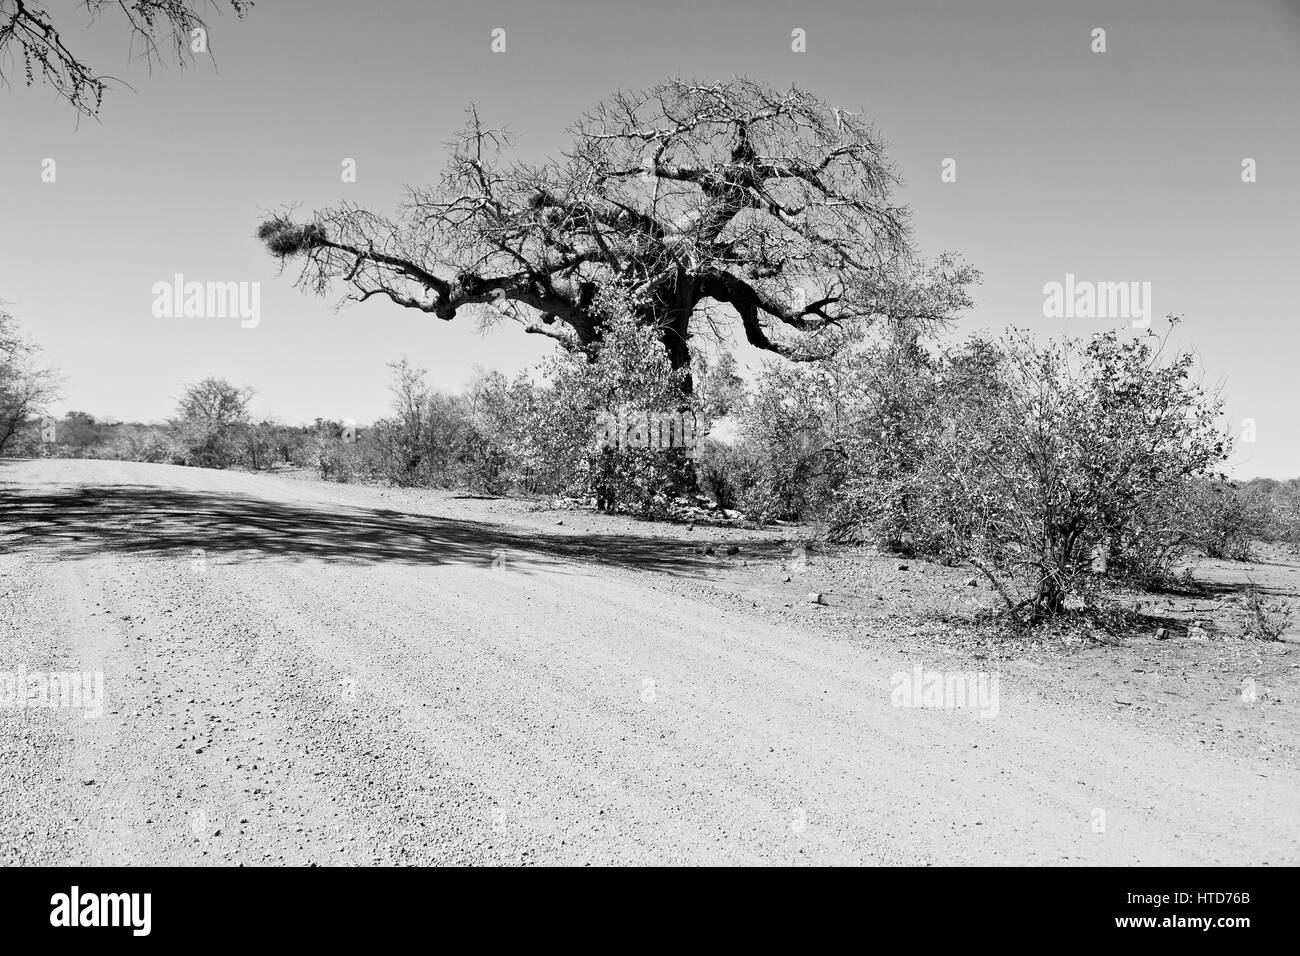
(94, 520)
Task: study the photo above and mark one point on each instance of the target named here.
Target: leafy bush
(210, 423)
(626, 377)
(1223, 519)
(25, 387)
(788, 447)
(337, 460)
(1030, 458)
(726, 471)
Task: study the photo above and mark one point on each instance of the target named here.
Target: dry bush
(1264, 620)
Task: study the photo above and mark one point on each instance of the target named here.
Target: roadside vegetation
(681, 219)
(1053, 471)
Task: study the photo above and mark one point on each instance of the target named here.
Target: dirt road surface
(298, 672)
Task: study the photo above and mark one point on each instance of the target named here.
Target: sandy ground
(299, 672)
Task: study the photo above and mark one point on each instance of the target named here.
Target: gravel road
(297, 672)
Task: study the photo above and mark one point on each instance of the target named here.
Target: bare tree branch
(28, 36)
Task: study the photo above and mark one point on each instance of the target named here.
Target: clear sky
(1115, 166)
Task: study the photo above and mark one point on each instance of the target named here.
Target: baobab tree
(683, 205)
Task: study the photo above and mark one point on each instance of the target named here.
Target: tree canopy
(685, 204)
(26, 384)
